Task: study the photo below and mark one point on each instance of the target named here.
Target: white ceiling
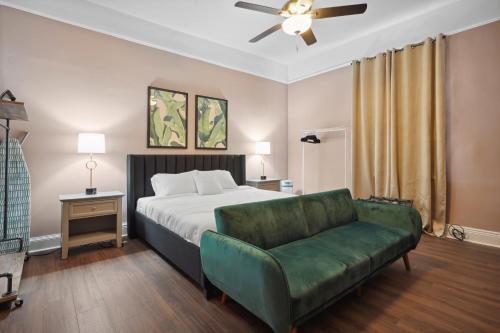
(217, 32)
(220, 22)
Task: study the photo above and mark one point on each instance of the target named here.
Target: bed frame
(181, 253)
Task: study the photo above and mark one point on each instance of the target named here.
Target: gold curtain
(399, 129)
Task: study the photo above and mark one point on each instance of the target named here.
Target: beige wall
(322, 101)
(473, 115)
(75, 80)
(473, 100)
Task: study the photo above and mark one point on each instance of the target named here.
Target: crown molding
(106, 21)
(449, 17)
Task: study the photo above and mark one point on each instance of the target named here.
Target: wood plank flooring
(452, 287)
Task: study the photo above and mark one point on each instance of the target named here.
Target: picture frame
(211, 119)
(167, 118)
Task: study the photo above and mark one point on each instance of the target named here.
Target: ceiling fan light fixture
(297, 24)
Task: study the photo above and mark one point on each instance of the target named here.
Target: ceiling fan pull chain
(297, 43)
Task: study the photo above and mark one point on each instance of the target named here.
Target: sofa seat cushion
(379, 242)
(321, 267)
(317, 271)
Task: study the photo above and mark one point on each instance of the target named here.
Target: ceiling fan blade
(338, 11)
(266, 33)
(258, 8)
(308, 37)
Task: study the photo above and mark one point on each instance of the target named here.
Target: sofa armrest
(249, 275)
(397, 216)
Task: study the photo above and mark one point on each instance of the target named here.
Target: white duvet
(189, 215)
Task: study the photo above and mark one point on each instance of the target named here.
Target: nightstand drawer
(268, 184)
(92, 208)
(271, 186)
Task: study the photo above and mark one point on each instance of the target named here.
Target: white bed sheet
(190, 214)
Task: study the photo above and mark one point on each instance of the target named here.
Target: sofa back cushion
(268, 224)
(328, 210)
(265, 224)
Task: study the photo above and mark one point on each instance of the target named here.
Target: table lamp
(263, 148)
(91, 143)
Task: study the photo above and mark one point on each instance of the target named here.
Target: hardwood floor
(452, 287)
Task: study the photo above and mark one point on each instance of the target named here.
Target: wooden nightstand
(87, 219)
(268, 184)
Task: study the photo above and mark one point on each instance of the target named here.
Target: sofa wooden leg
(294, 330)
(407, 262)
(359, 291)
(223, 298)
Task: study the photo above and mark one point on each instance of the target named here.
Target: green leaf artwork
(167, 117)
(211, 123)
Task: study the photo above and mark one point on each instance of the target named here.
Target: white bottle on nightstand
(286, 186)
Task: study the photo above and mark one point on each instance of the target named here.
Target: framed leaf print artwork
(167, 118)
(211, 123)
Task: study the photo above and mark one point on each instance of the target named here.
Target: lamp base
(89, 191)
(263, 177)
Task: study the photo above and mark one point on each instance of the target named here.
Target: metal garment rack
(323, 131)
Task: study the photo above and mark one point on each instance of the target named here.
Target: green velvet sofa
(285, 260)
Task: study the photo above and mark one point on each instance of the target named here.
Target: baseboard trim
(46, 243)
(478, 236)
(473, 235)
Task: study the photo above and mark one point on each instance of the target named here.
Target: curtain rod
(397, 50)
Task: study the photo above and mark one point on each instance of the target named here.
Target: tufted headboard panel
(140, 169)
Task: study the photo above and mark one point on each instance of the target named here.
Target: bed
(173, 225)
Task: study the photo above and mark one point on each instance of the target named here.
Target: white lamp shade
(297, 24)
(263, 148)
(91, 143)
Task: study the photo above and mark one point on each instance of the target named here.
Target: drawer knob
(93, 208)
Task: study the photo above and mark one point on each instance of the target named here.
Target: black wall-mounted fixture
(310, 139)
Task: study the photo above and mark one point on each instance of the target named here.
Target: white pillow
(226, 180)
(223, 177)
(170, 183)
(207, 184)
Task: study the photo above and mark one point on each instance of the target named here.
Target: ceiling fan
(298, 16)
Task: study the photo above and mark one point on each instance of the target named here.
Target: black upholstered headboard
(140, 169)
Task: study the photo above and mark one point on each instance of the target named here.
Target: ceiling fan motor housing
(296, 7)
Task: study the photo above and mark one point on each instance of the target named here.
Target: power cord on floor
(457, 231)
(105, 244)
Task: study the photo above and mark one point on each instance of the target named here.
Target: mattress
(189, 215)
